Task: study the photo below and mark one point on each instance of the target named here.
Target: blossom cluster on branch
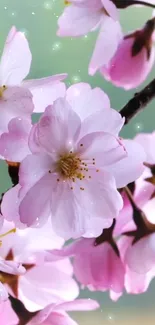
(73, 176)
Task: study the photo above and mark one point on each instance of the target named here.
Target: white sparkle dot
(47, 5)
(76, 78)
(5, 8)
(139, 127)
(56, 46)
(33, 13)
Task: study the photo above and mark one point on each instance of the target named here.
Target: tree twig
(138, 102)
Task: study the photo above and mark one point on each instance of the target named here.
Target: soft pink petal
(138, 262)
(147, 140)
(79, 305)
(3, 295)
(131, 167)
(149, 210)
(11, 267)
(7, 315)
(16, 59)
(105, 148)
(111, 9)
(136, 283)
(32, 213)
(33, 168)
(58, 128)
(127, 71)
(10, 206)
(16, 102)
(109, 121)
(86, 101)
(105, 48)
(46, 284)
(72, 209)
(46, 90)
(14, 144)
(76, 21)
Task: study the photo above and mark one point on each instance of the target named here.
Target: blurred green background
(52, 55)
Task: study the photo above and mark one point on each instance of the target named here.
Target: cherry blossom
(15, 66)
(71, 164)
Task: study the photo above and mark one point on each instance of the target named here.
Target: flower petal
(76, 21)
(16, 59)
(131, 167)
(46, 284)
(58, 128)
(14, 144)
(46, 90)
(32, 213)
(105, 148)
(138, 262)
(105, 48)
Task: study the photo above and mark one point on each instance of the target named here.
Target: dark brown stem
(23, 314)
(138, 102)
(122, 4)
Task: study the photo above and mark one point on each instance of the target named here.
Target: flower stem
(138, 102)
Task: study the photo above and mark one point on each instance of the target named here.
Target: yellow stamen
(2, 89)
(67, 3)
(8, 232)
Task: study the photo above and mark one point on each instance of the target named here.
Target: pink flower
(7, 315)
(14, 67)
(97, 267)
(74, 172)
(56, 314)
(42, 283)
(133, 59)
(81, 17)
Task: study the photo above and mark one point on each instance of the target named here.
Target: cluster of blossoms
(74, 177)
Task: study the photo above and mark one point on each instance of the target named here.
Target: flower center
(2, 89)
(68, 166)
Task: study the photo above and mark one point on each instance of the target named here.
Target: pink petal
(76, 21)
(79, 305)
(10, 206)
(16, 59)
(111, 9)
(32, 213)
(127, 71)
(149, 209)
(138, 262)
(105, 49)
(109, 121)
(105, 148)
(16, 102)
(3, 295)
(46, 90)
(147, 140)
(86, 101)
(131, 167)
(71, 210)
(11, 267)
(136, 283)
(58, 128)
(33, 168)
(46, 284)
(7, 315)
(14, 144)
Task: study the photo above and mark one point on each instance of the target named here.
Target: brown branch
(23, 314)
(122, 4)
(138, 102)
